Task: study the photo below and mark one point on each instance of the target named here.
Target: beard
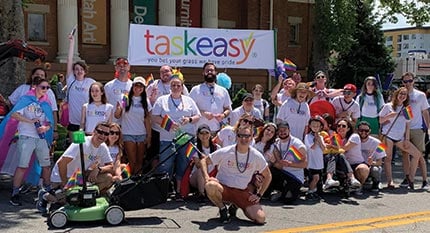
(210, 78)
(284, 136)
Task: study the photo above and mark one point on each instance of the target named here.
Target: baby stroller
(340, 175)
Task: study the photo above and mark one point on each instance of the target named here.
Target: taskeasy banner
(192, 47)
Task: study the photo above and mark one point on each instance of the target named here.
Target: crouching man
(237, 164)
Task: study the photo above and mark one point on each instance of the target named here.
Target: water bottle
(38, 125)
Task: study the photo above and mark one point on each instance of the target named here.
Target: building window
(413, 36)
(389, 38)
(405, 37)
(405, 46)
(398, 55)
(399, 47)
(399, 38)
(36, 27)
(294, 34)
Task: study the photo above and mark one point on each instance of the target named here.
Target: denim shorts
(27, 145)
(134, 138)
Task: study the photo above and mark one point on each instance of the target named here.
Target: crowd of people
(243, 155)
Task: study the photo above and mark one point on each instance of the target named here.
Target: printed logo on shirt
(93, 157)
(240, 165)
(297, 111)
(97, 113)
(120, 91)
(79, 89)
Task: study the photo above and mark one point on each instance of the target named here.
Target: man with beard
(120, 85)
(287, 172)
(162, 86)
(237, 165)
(212, 100)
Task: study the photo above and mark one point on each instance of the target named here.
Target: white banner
(192, 47)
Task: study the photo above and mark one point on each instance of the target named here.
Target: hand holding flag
(295, 153)
(75, 179)
(289, 65)
(167, 123)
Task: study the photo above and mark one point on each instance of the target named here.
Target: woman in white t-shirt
(78, 87)
(96, 110)
(371, 102)
(115, 144)
(395, 126)
(136, 124)
(265, 142)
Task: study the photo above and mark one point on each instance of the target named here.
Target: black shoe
(15, 200)
(232, 211)
(411, 185)
(405, 183)
(223, 215)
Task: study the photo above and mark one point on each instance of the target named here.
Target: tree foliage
(367, 55)
(416, 12)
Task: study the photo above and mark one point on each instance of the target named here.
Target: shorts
(417, 138)
(354, 166)
(134, 138)
(27, 145)
(240, 197)
(73, 128)
(394, 140)
(312, 172)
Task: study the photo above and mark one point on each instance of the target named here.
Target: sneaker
(223, 215)
(275, 196)
(411, 185)
(425, 185)
(355, 183)
(15, 200)
(232, 211)
(41, 203)
(359, 192)
(312, 196)
(331, 183)
(178, 197)
(405, 183)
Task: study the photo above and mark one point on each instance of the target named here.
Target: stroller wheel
(114, 215)
(58, 219)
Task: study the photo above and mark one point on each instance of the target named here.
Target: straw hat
(301, 86)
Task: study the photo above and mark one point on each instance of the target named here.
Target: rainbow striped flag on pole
(149, 79)
(126, 172)
(381, 148)
(289, 65)
(295, 153)
(190, 151)
(75, 179)
(336, 140)
(166, 123)
(407, 112)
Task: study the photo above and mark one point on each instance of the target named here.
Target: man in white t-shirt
(419, 104)
(346, 106)
(237, 165)
(246, 107)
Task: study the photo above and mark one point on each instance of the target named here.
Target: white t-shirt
(353, 155)
(418, 102)
(261, 105)
(353, 108)
(237, 173)
(369, 108)
(78, 94)
(321, 94)
(34, 110)
(268, 155)
(368, 148)
(24, 88)
(239, 111)
(114, 90)
(209, 100)
(283, 149)
(297, 115)
(176, 109)
(95, 114)
(227, 136)
(397, 132)
(133, 121)
(91, 155)
(113, 152)
(315, 156)
(206, 151)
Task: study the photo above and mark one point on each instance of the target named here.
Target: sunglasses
(101, 132)
(243, 135)
(347, 92)
(408, 81)
(44, 87)
(342, 126)
(320, 77)
(364, 130)
(114, 132)
(248, 121)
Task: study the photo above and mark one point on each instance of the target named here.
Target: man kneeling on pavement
(98, 164)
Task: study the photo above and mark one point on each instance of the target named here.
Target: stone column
(67, 18)
(167, 12)
(119, 28)
(210, 13)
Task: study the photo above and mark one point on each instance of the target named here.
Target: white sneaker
(331, 183)
(355, 183)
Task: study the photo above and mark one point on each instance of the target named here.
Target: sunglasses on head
(101, 132)
(364, 130)
(114, 132)
(248, 121)
(243, 135)
(342, 126)
(44, 87)
(408, 81)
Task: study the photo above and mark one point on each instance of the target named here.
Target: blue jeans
(178, 160)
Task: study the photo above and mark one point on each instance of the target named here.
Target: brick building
(102, 33)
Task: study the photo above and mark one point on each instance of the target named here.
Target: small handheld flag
(289, 65)
(166, 123)
(190, 151)
(258, 130)
(74, 180)
(149, 79)
(126, 172)
(381, 148)
(407, 112)
(125, 100)
(295, 153)
(336, 140)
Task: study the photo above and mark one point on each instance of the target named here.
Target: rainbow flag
(126, 172)
(336, 140)
(381, 148)
(125, 100)
(190, 151)
(407, 112)
(149, 79)
(166, 123)
(289, 65)
(75, 179)
(295, 153)
(258, 130)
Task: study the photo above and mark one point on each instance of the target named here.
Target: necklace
(237, 162)
(284, 155)
(177, 105)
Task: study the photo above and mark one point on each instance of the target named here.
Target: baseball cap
(203, 128)
(350, 87)
(139, 79)
(247, 96)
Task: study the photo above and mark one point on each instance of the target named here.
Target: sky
(400, 24)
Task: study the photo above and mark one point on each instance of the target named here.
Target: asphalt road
(396, 210)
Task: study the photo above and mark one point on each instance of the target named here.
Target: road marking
(362, 224)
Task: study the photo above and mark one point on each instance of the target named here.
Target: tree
(12, 70)
(416, 12)
(368, 55)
